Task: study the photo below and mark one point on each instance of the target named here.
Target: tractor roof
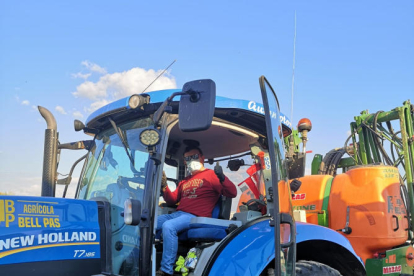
(120, 106)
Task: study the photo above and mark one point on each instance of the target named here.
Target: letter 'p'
(6, 211)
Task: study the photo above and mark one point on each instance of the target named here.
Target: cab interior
(224, 141)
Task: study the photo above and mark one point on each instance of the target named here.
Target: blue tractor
(109, 228)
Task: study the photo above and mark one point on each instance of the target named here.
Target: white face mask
(194, 166)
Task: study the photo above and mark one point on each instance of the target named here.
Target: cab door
(279, 204)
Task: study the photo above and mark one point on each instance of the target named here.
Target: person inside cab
(197, 194)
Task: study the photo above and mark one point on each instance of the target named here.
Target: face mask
(193, 166)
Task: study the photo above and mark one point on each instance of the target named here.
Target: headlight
(137, 101)
(149, 137)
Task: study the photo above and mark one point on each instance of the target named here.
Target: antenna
(159, 75)
(293, 71)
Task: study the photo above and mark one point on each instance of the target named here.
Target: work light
(137, 101)
(149, 137)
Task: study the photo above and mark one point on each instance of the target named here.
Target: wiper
(123, 140)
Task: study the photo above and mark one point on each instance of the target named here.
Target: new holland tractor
(371, 203)
(109, 228)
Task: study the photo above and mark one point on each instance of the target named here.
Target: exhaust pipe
(49, 154)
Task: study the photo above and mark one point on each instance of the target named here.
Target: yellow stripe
(2, 210)
(56, 216)
(38, 201)
(4, 254)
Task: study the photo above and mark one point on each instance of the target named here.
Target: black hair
(190, 148)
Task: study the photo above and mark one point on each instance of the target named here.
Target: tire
(310, 268)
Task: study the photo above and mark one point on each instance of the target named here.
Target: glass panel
(246, 174)
(276, 130)
(172, 173)
(110, 175)
(276, 148)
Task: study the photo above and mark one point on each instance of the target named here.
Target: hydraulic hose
(331, 161)
(385, 156)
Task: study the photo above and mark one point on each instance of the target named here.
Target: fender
(324, 245)
(307, 232)
(250, 248)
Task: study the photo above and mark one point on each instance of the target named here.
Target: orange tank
(369, 196)
(377, 215)
(310, 197)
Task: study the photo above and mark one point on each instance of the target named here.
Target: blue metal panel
(162, 95)
(155, 97)
(251, 250)
(307, 232)
(248, 253)
(44, 229)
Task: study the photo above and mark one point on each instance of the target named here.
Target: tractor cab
(138, 138)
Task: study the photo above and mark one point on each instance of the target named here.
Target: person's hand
(163, 181)
(219, 172)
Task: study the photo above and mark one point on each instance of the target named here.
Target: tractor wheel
(310, 268)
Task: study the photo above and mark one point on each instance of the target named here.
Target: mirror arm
(66, 181)
(195, 96)
(88, 144)
(156, 157)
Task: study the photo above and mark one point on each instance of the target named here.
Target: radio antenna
(293, 71)
(162, 73)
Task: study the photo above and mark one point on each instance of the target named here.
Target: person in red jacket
(197, 195)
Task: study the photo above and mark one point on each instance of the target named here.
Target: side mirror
(197, 105)
(132, 211)
(235, 164)
(78, 125)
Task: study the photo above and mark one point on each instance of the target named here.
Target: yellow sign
(34, 215)
(6, 211)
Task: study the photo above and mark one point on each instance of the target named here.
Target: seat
(203, 229)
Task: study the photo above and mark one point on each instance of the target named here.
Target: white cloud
(60, 109)
(81, 76)
(77, 114)
(24, 102)
(119, 85)
(91, 90)
(93, 67)
(96, 105)
(348, 133)
(114, 86)
(29, 185)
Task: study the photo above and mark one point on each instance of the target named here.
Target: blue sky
(72, 57)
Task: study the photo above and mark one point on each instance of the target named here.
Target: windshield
(110, 176)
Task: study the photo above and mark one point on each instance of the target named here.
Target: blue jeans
(172, 225)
